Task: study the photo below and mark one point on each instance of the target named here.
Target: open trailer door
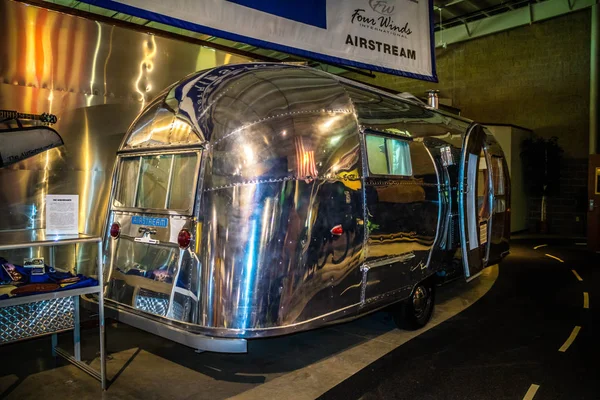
(475, 202)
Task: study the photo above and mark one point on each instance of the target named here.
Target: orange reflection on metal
(64, 44)
(79, 54)
(305, 160)
(46, 33)
(30, 59)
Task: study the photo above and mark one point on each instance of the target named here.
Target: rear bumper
(190, 339)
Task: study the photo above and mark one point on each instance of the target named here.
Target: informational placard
(392, 36)
(62, 214)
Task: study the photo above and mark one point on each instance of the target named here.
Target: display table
(50, 313)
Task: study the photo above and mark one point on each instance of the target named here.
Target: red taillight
(115, 230)
(337, 230)
(184, 238)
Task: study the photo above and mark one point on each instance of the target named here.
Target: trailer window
(184, 170)
(154, 180)
(388, 156)
(129, 172)
(158, 182)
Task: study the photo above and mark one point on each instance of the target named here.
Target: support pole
(76, 329)
(594, 61)
(101, 318)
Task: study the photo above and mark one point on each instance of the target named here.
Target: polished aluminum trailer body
(309, 199)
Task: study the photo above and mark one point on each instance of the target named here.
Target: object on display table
(23, 282)
(34, 288)
(36, 266)
(9, 273)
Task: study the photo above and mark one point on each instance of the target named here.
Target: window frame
(165, 211)
(385, 135)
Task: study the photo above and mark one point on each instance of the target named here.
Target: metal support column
(54, 344)
(101, 318)
(76, 329)
(594, 81)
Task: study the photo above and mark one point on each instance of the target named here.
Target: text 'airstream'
(257, 200)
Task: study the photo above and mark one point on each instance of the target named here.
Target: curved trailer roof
(209, 105)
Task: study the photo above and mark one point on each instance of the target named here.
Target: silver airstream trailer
(257, 200)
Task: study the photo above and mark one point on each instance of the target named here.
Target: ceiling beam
(511, 19)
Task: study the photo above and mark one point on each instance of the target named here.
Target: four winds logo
(382, 7)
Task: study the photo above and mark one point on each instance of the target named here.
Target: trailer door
(475, 202)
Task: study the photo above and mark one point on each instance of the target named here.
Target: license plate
(149, 221)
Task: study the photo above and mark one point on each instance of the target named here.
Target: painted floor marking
(531, 392)
(581, 244)
(586, 300)
(579, 278)
(540, 246)
(570, 340)
(554, 257)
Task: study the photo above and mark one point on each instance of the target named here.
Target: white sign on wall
(392, 36)
(62, 214)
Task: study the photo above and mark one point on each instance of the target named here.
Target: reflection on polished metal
(269, 166)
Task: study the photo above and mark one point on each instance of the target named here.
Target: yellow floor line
(577, 275)
(570, 340)
(556, 258)
(531, 392)
(586, 300)
(540, 246)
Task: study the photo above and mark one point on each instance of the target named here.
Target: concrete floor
(300, 366)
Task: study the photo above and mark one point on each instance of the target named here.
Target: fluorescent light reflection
(93, 79)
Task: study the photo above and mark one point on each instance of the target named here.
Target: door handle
(592, 206)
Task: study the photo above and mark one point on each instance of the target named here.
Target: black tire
(416, 311)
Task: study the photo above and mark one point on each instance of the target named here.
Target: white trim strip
(570, 340)
(531, 392)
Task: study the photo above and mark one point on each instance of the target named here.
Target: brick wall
(566, 213)
(536, 76)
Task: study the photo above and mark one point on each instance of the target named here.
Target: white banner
(393, 36)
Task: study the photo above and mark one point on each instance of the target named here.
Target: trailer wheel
(416, 311)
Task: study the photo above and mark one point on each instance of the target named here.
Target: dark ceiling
(449, 13)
